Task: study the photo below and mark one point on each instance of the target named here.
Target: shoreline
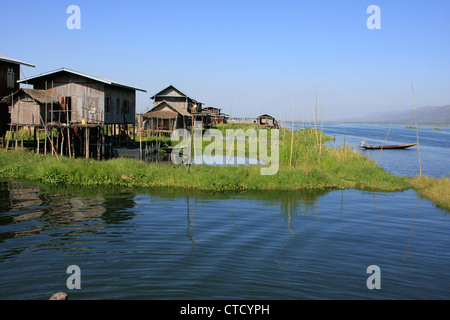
(314, 167)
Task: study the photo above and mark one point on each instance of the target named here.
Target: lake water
(434, 146)
(173, 244)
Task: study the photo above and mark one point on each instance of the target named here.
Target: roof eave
(81, 75)
(15, 61)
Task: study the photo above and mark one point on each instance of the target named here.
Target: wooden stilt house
(266, 120)
(165, 117)
(89, 99)
(91, 109)
(9, 75)
(172, 110)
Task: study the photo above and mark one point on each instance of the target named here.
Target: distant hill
(425, 115)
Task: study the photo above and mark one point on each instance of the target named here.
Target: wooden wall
(4, 90)
(88, 98)
(87, 95)
(122, 105)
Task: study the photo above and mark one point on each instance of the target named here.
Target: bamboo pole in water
(68, 130)
(316, 140)
(51, 114)
(45, 122)
(10, 124)
(140, 132)
(16, 134)
(321, 129)
(379, 153)
(315, 124)
(292, 138)
(417, 129)
(343, 150)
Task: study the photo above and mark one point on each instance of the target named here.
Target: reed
(417, 130)
(292, 138)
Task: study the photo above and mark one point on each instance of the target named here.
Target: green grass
(434, 189)
(313, 166)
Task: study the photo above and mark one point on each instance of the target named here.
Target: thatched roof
(41, 96)
(165, 110)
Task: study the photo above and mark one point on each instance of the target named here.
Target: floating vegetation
(308, 165)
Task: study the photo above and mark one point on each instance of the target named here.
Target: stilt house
(173, 110)
(9, 75)
(267, 120)
(88, 99)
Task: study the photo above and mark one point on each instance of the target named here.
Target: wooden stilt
(38, 141)
(87, 142)
(34, 140)
(16, 136)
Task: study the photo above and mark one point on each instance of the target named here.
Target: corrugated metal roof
(82, 74)
(11, 60)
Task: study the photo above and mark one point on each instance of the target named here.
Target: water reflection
(190, 217)
(30, 209)
(168, 244)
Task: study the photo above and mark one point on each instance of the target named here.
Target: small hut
(266, 120)
(33, 107)
(165, 117)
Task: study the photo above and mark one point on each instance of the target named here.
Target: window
(93, 105)
(10, 78)
(107, 105)
(117, 106)
(126, 106)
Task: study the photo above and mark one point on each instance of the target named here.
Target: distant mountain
(425, 115)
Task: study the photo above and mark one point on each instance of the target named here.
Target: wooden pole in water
(45, 122)
(343, 150)
(68, 130)
(193, 133)
(16, 134)
(316, 141)
(417, 129)
(315, 117)
(51, 115)
(382, 146)
(87, 142)
(140, 132)
(51, 142)
(321, 130)
(292, 138)
(35, 142)
(10, 124)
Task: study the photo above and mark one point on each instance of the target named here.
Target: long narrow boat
(397, 146)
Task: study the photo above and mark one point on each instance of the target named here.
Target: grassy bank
(311, 166)
(434, 189)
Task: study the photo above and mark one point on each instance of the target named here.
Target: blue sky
(247, 57)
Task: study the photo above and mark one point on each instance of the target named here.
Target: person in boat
(363, 143)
